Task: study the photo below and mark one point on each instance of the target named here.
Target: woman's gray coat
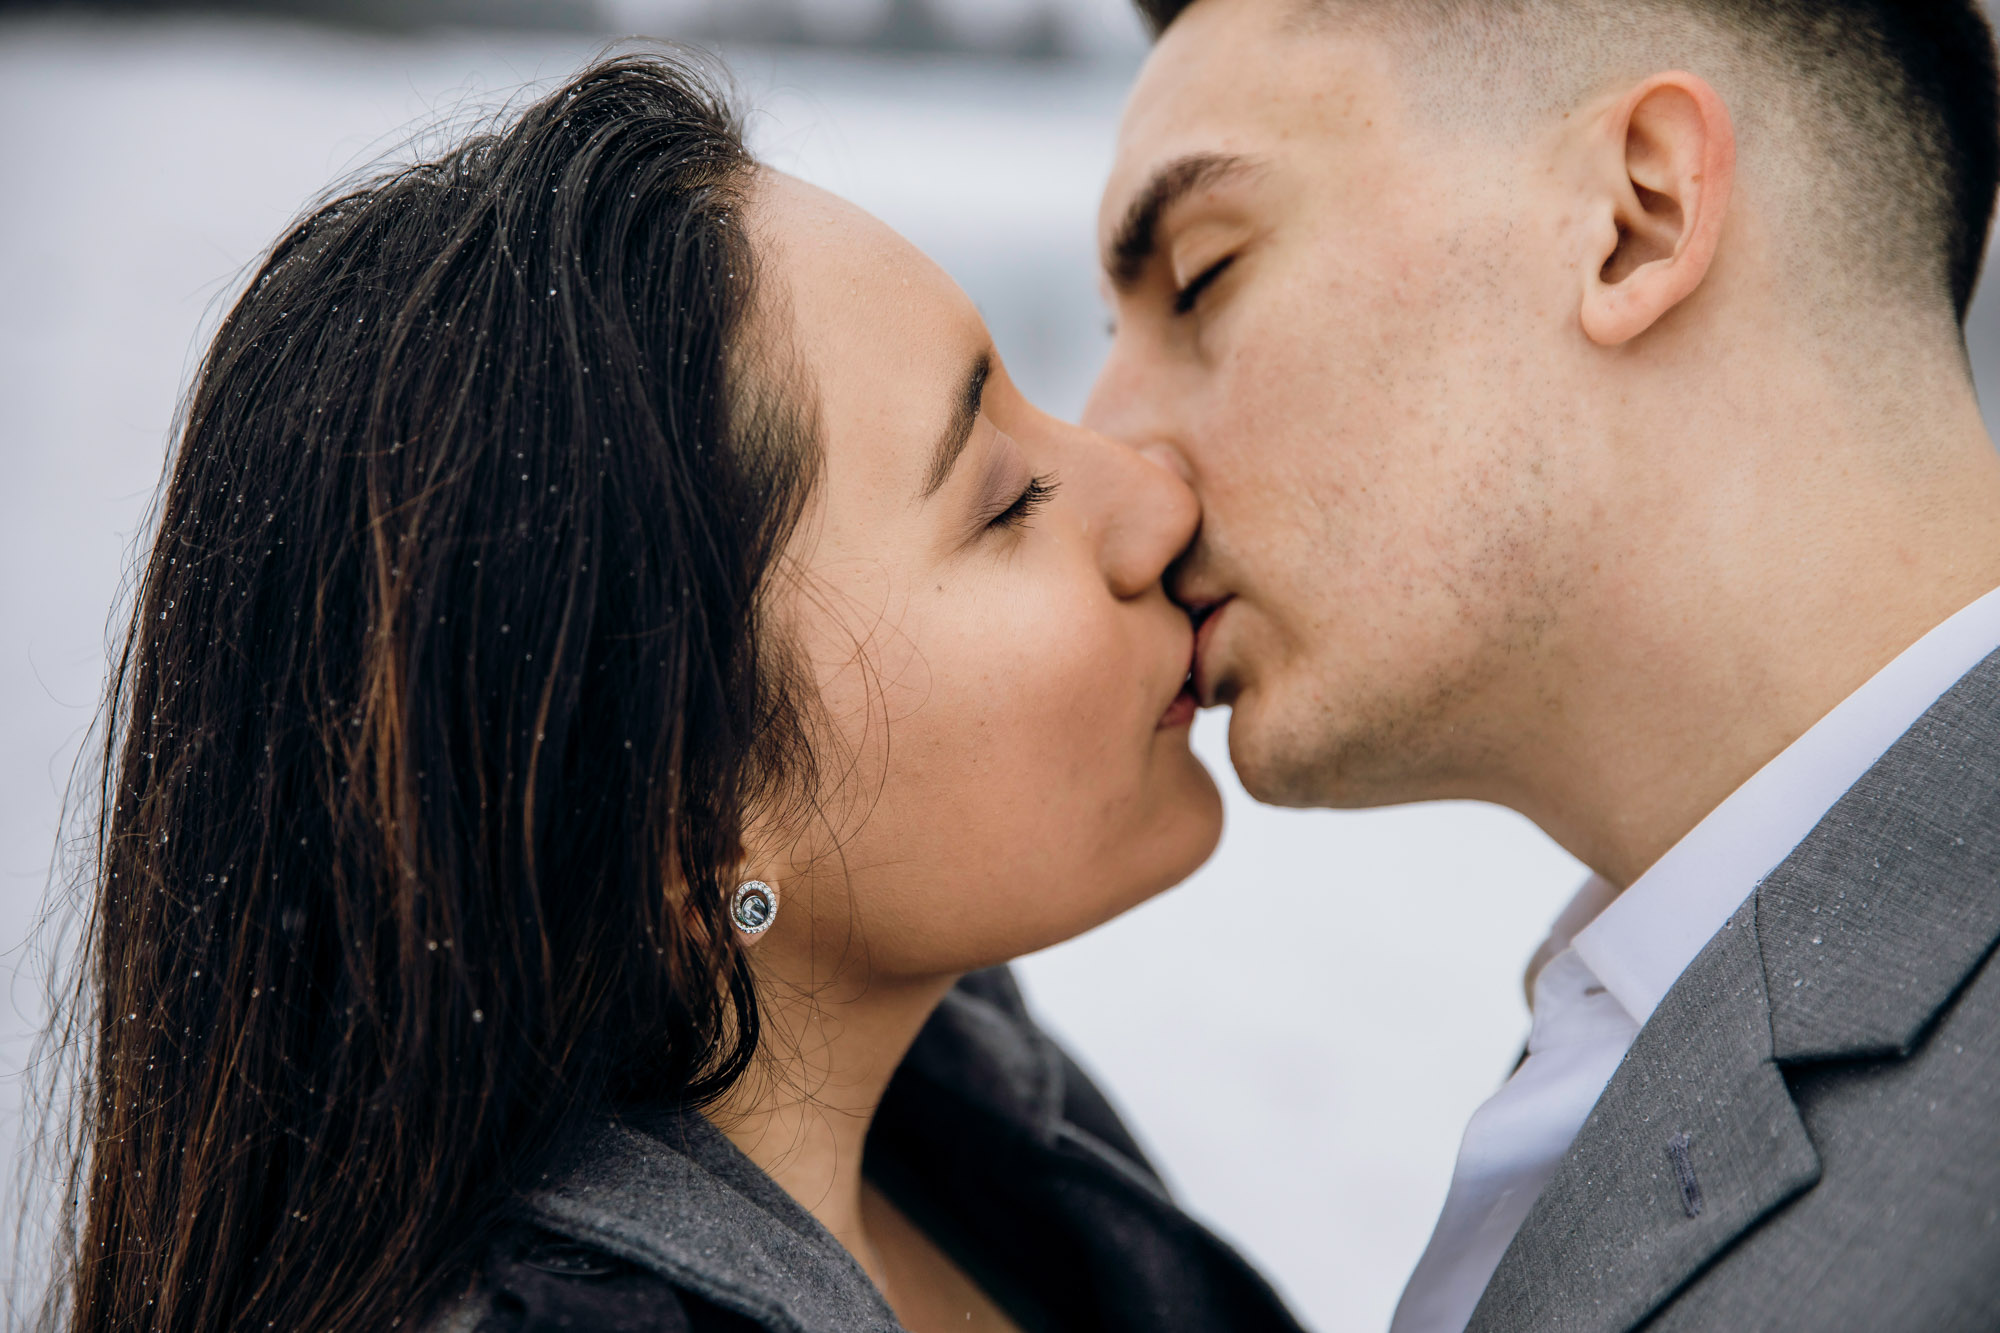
(989, 1138)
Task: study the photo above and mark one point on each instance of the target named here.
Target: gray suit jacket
(1806, 1135)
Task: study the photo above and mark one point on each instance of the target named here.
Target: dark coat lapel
(1848, 950)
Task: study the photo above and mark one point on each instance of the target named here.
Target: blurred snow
(1098, 29)
(1298, 1033)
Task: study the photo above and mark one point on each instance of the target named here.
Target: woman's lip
(1204, 684)
(1184, 706)
(1181, 711)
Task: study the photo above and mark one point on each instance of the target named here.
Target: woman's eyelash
(1039, 491)
(1185, 298)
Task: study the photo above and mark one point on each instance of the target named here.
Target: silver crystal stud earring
(754, 907)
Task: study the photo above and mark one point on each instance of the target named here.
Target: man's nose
(1122, 408)
(1168, 457)
(1115, 402)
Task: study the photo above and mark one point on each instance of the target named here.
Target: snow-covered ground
(1298, 1033)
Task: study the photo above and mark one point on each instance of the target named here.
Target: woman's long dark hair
(442, 705)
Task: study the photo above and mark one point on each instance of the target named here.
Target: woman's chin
(1194, 829)
(1079, 877)
(1188, 811)
(1180, 834)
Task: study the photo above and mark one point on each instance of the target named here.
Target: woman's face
(976, 589)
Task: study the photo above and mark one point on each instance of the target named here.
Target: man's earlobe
(1664, 168)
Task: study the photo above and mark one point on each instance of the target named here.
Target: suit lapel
(1879, 917)
(1694, 1139)
(1848, 950)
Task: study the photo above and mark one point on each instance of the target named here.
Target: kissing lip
(1204, 617)
(1185, 705)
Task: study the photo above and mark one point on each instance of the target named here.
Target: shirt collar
(1640, 942)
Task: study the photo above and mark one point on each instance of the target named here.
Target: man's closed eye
(1185, 298)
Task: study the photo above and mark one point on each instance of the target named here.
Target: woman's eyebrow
(964, 412)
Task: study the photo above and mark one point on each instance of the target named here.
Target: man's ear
(1663, 161)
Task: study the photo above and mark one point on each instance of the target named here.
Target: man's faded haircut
(1897, 101)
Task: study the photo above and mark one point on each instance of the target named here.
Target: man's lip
(1205, 618)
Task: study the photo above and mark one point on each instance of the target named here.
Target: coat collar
(1880, 916)
(670, 1193)
(980, 1047)
(1847, 950)
(675, 1197)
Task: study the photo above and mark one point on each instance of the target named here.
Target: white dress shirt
(1615, 956)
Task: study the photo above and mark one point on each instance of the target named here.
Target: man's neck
(803, 1111)
(1770, 595)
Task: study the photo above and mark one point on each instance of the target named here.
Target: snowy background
(1298, 1034)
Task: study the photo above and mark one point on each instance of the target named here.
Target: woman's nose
(1147, 515)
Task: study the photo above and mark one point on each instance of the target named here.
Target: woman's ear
(1662, 165)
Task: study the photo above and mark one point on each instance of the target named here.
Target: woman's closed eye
(1037, 493)
(1185, 298)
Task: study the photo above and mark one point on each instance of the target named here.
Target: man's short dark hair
(1941, 89)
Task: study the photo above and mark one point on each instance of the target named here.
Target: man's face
(1353, 329)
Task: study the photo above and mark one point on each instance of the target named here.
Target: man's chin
(1267, 758)
(1308, 762)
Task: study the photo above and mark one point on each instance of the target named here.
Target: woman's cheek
(1030, 698)
(1071, 672)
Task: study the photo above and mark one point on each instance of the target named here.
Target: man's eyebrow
(1132, 244)
(964, 412)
